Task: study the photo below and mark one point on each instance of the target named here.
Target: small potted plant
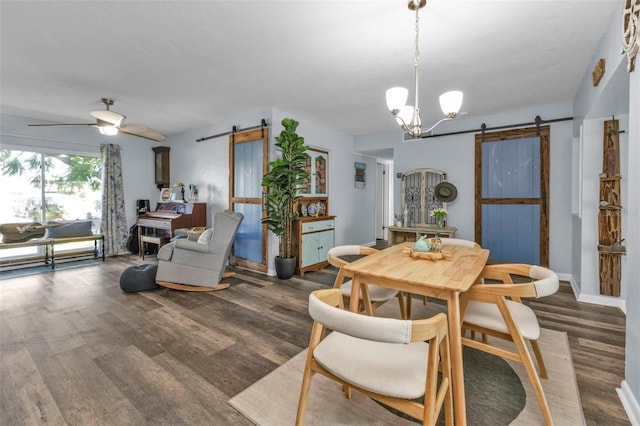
(398, 218)
(283, 181)
(440, 214)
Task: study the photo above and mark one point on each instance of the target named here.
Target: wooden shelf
(401, 234)
(615, 249)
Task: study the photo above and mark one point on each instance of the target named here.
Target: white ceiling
(176, 65)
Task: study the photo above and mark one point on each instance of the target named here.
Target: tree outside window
(42, 187)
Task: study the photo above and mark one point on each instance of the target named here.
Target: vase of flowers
(440, 214)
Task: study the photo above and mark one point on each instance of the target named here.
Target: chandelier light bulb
(451, 102)
(405, 115)
(397, 98)
(108, 130)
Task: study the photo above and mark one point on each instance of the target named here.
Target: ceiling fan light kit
(110, 123)
(108, 130)
(408, 116)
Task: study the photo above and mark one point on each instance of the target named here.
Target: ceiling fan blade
(61, 124)
(143, 132)
(110, 117)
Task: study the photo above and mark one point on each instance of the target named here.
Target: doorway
(512, 195)
(247, 164)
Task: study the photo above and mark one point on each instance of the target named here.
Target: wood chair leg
(403, 306)
(304, 396)
(347, 391)
(538, 353)
(366, 300)
(527, 361)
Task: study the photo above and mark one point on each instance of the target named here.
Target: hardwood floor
(76, 350)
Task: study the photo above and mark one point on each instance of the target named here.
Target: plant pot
(285, 267)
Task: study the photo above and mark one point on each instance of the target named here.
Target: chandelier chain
(417, 54)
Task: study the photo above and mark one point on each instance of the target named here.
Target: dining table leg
(457, 371)
(354, 300)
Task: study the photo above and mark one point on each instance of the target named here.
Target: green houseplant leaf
(283, 181)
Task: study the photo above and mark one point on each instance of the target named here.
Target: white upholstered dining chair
(494, 308)
(392, 361)
(371, 296)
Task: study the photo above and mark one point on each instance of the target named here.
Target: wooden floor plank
(159, 396)
(24, 397)
(81, 351)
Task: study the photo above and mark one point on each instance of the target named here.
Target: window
(41, 187)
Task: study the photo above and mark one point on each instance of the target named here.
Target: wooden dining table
(443, 279)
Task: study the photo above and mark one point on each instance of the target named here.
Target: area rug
(273, 400)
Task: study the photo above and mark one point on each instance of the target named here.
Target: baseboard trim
(604, 301)
(593, 298)
(629, 403)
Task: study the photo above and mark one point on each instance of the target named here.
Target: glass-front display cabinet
(315, 185)
(314, 230)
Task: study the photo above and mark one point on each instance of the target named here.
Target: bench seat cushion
(78, 228)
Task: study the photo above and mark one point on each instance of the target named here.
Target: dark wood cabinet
(162, 170)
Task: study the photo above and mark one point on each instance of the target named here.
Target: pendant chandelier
(408, 116)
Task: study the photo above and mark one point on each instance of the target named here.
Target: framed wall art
(165, 195)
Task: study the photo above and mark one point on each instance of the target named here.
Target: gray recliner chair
(199, 265)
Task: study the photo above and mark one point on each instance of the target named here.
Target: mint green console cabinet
(313, 238)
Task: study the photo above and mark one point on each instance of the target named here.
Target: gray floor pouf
(139, 278)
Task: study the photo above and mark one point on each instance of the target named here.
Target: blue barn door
(512, 195)
(247, 164)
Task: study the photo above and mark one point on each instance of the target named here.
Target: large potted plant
(283, 181)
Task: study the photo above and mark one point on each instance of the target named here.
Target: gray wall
(206, 164)
(455, 155)
(617, 94)
(630, 388)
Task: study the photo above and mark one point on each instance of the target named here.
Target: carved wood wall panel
(609, 217)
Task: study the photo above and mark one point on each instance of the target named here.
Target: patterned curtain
(114, 222)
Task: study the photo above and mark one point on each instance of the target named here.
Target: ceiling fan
(110, 123)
